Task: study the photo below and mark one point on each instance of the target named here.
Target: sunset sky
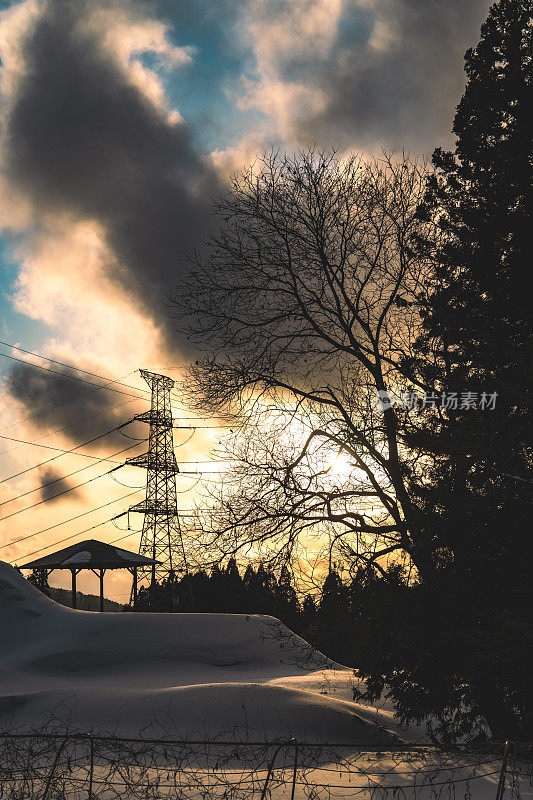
(119, 122)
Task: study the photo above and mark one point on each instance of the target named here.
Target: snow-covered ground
(191, 674)
(195, 676)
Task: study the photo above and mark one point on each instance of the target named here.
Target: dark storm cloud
(81, 140)
(53, 486)
(401, 94)
(59, 401)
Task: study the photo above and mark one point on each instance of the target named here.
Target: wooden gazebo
(95, 556)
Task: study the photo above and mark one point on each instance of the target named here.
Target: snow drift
(199, 674)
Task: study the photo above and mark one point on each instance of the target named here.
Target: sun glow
(340, 466)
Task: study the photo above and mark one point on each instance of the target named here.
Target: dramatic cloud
(110, 188)
(83, 140)
(60, 401)
(53, 486)
(360, 74)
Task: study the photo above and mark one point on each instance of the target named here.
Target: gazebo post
(102, 571)
(134, 586)
(73, 587)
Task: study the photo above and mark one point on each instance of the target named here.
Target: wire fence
(70, 765)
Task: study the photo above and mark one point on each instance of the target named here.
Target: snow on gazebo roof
(90, 554)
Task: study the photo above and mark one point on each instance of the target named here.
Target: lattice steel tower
(161, 534)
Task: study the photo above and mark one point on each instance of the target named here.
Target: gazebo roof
(90, 554)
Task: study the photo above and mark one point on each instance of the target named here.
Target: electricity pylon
(161, 537)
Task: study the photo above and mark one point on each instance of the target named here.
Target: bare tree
(304, 305)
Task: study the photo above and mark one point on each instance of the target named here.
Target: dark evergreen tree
(39, 578)
(286, 599)
(249, 579)
(308, 621)
(224, 590)
(233, 588)
(477, 338)
(199, 585)
(334, 620)
(309, 605)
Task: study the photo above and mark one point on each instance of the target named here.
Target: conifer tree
(39, 578)
(477, 339)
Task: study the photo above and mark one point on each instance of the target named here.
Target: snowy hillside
(191, 673)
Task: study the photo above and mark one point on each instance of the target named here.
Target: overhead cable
(72, 366)
(62, 452)
(66, 427)
(62, 478)
(71, 519)
(72, 377)
(68, 538)
(57, 405)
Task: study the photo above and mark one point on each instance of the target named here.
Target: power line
(80, 533)
(199, 427)
(59, 494)
(72, 377)
(72, 366)
(86, 530)
(57, 405)
(62, 452)
(200, 474)
(66, 427)
(62, 478)
(85, 455)
(91, 383)
(96, 458)
(210, 461)
(57, 524)
(72, 536)
(85, 372)
(60, 449)
(193, 428)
